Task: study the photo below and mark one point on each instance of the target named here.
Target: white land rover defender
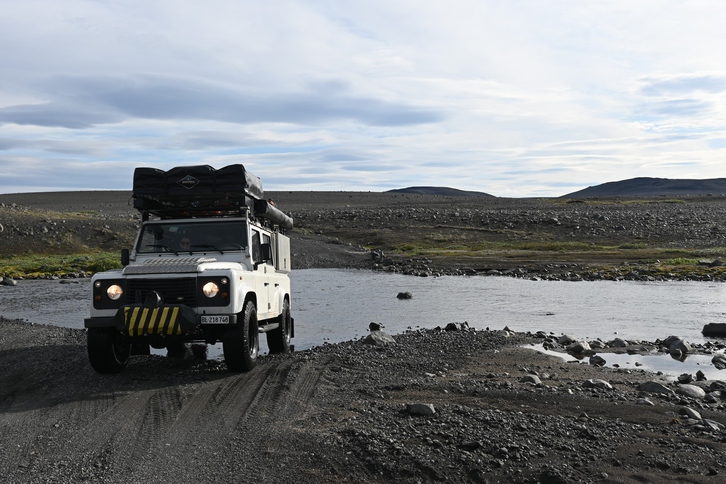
(210, 264)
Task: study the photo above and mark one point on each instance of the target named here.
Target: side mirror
(125, 257)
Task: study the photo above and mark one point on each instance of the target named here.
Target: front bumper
(140, 320)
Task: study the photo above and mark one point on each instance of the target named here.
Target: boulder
(420, 409)
(719, 361)
(654, 387)
(601, 384)
(676, 345)
(566, 339)
(714, 329)
(597, 360)
(578, 347)
(691, 391)
(404, 295)
(618, 343)
(534, 379)
(7, 281)
(379, 338)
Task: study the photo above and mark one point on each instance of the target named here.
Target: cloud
(85, 102)
(683, 85)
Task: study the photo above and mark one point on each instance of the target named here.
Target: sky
(515, 98)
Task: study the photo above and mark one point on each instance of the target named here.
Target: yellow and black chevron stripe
(141, 320)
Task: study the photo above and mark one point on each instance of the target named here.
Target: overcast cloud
(515, 98)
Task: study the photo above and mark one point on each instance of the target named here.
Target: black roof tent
(203, 191)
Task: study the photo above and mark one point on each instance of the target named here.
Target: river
(332, 305)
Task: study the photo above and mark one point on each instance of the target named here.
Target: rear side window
(256, 251)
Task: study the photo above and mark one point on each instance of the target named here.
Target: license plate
(215, 319)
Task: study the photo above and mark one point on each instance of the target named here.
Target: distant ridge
(443, 191)
(653, 187)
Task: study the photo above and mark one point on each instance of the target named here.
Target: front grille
(172, 291)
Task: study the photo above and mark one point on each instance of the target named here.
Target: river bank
(436, 405)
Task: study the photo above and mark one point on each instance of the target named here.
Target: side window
(267, 240)
(256, 252)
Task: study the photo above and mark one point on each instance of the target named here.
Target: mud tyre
(278, 340)
(241, 345)
(107, 350)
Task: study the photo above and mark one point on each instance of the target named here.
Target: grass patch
(40, 266)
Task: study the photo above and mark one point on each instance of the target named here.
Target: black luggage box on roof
(201, 182)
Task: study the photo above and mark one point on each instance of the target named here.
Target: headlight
(114, 292)
(210, 289)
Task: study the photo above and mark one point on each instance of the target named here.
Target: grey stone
(578, 347)
(7, 281)
(565, 339)
(690, 413)
(531, 379)
(691, 391)
(676, 344)
(420, 409)
(597, 360)
(601, 384)
(719, 361)
(404, 295)
(654, 387)
(618, 343)
(379, 338)
(644, 401)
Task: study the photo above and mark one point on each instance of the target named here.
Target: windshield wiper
(207, 247)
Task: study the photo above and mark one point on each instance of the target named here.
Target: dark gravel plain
(439, 405)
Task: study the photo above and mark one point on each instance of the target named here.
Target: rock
(379, 338)
(457, 326)
(676, 345)
(578, 347)
(685, 378)
(597, 344)
(618, 343)
(691, 391)
(714, 329)
(597, 360)
(404, 295)
(654, 387)
(420, 409)
(374, 326)
(719, 361)
(690, 413)
(566, 339)
(644, 401)
(601, 384)
(701, 376)
(534, 379)
(7, 281)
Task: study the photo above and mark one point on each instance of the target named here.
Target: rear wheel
(278, 340)
(107, 350)
(242, 344)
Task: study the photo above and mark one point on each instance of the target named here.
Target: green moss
(34, 265)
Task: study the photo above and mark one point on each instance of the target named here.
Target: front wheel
(107, 351)
(242, 344)
(278, 340)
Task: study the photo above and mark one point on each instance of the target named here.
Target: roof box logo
(188, 182)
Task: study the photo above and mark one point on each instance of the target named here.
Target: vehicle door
(262, 274)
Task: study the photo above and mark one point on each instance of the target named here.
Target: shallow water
(337, 305)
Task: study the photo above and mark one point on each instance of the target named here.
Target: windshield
(179, 237)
